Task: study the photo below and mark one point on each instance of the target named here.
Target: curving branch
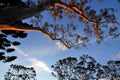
(29, 12)
(30, 28)
(75, 9)
(20, 13)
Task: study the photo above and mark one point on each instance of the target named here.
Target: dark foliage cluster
(5, 43)
(97, 23)
(86, 68)
(8, 3)
(88, 17)
(18, 72)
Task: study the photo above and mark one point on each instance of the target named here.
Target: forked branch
(75, 9)
(28, 12)
(29, 28)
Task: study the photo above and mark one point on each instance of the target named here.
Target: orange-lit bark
(27, 29)
(8, 27)
(32, 29)
(71, 8)
(64, 6)
(29, 12)
(75, 9)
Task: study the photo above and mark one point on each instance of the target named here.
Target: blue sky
(39, 52)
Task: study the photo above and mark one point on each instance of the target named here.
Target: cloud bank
(38, 65)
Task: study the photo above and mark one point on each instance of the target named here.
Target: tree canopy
(84, 68)
(18, 72)
(97, 23)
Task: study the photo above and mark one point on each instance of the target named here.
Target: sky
(40, 52)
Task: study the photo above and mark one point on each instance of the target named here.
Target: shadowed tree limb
(20, 13)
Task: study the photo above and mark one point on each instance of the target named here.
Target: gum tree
(84, 68)
(97, 23)
(18, 72)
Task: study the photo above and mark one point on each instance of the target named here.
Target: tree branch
(73, 8)
(19, 13)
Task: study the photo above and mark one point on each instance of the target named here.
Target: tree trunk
(20, 13)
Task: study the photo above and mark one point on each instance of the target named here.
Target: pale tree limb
(75, 9)
(30, 28)
(26, 28)
(17, 13)
(10, 15)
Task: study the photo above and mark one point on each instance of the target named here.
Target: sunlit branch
(15, 13)
(73, 8)
(27, 28)
(23, 28)
(64, 6)
(29, 12)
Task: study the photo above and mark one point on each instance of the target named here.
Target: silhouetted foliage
(18, 72)
(6, 58)
(85, 68)
(6, 3)
(5, 43)
(9, 59)
(100, 23)
(16, 43)
(118, 0)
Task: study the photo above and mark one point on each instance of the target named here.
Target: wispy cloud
(37, 64)
(19, 51)
(43, 51)
(61, 46)
(118, 55)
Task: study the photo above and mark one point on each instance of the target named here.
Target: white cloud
(61, 46)
(118, 55)
(38, 65)
(19, 51)
(80, 41)
(43, 51)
